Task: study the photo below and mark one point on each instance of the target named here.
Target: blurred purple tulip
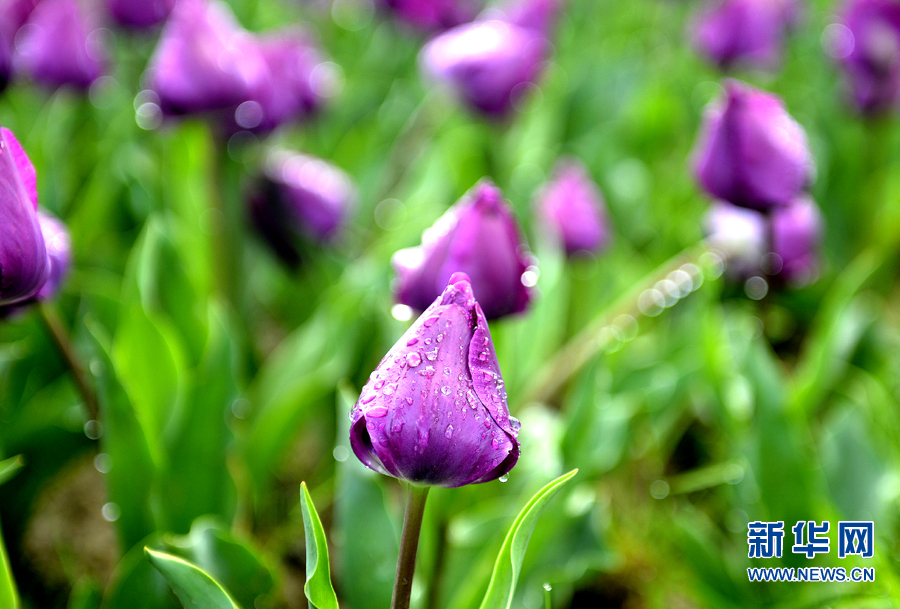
(59, 254)
(23, 255)
(434, 411)
(796, 234)
(749, 32)
(140, 13)
(488, 64)
(478, 236)
(750, 151)
(572, 207)
(13, 15)
(740, 235)
(301, 198)
(868, 46)
(432, 14)
(204, 60)
(295, 84)
(58, 46)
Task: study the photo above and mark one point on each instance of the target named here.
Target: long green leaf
(193, 586)
(318, 588)
(9, 467)
(509, 562)
(8, 596)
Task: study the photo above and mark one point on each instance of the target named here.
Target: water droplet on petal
(447, 370)
(514, 424)
(413, 359)
(377, 412)
(409, 401)
(431, 355)
(445, 390)
(412, 341)
(379, 383)
(388, 390)
(439, 337)
(367, 399)
(449, 432)
(430, 321)
(504, 478)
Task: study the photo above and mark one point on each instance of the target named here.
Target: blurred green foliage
(225, 380)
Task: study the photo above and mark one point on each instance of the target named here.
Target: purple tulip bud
(13, 15)
(58, 47)
(740, 235)
(868, 47)
(478, 236)
(204, 60)
(571, 205)
(488, 64)
(294, 86)
(747, 32)
(140, 13)
(432, 14)
(750, 151)
(301, 198)
(434, 411)
(796, 233)
(59, 254)
(23, 255)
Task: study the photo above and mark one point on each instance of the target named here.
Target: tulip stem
(60, 336)
(409, 545)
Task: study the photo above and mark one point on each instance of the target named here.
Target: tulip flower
(741, 235)
(488, 64)
(23, 255)
(796, 233)
(57, 46)
(434, 411)
(294, 85)
(59, 254)
(140, 13)
(571, 206)
(870, 54)
(432, 14)
(747, 32)
(300, 198)
(478, 236)
(204, 60)
(750, 151)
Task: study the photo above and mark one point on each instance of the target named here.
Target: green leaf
(318, 588)
(8, 596)
(9, 467)
(509, 561)
(193, 586)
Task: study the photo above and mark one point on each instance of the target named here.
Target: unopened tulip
(478, 236)
(140, 13)
(432, 14)
(749, 32)
(869, 51)
(572, 207)
(204, 60)
(796, 234)
(23, 256)
(750, 151)
(58, 47)
(488, 64)
(300, 198)
(434, 411)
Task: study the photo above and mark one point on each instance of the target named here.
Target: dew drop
(388, 390)
(379, 383)
(412, 341)
(427, 341)
(367, 399)
(487, 422)
(447, 370)
(431, 355)
(397, 425)
(409, 401)
(377, 413)
(514, 424)
(504, 478)
(449, 432)
(495, 443)
(413, 359)
(439, 337)
(430, 321)
(548, 587)
(445, 390)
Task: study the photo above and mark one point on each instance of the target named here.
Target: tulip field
(449, 304)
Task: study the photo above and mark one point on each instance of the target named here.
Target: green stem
(433, 595)
(409, 545)
(60, 336)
